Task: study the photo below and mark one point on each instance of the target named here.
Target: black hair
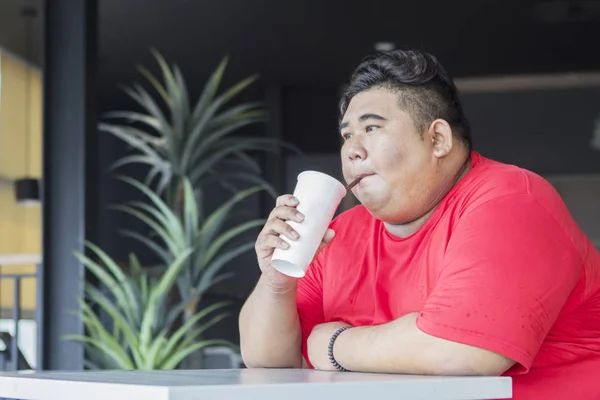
(425, 90)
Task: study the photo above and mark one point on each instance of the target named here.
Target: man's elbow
(250, 361)
(267, 360)
(255, 362)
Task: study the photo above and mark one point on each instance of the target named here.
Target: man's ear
(442, 140)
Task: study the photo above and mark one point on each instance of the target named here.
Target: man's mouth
(361, 176)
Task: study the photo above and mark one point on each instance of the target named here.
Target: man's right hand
(268, 240)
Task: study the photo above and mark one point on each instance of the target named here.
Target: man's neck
(405, 230)
(409, 228)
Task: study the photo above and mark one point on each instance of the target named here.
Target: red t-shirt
(499, 265)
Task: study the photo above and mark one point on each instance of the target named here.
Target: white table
(246, 384)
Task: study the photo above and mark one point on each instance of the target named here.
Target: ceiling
(316, 42)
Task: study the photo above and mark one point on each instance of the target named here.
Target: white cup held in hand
(319, 196)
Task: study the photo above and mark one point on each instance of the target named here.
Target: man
(453, 264)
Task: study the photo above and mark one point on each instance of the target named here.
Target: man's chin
(371, 205)
(370, 199)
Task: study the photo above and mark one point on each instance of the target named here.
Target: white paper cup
(319, 196)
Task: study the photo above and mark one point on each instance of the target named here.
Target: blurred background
(142, 142)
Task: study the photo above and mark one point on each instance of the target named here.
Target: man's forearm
(400, 347)
(269, 329)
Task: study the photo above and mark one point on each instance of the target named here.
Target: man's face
(381, 142)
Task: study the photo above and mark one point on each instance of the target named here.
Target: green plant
(186, 147)
(188, 140)
(142, 335)
(195, 142)
(210, 246)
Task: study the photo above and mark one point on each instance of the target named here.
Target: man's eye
(371, 128)
(346, 136)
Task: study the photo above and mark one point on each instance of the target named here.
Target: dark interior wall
(310, 118)
(546, 131)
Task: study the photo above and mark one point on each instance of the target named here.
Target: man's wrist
(331, 347)
(278, 289)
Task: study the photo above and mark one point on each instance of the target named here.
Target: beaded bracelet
(330, 348)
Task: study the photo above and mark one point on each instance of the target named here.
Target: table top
(264, 384)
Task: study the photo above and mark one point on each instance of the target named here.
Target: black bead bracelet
(330, 348)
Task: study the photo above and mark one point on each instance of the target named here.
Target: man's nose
(357, 151)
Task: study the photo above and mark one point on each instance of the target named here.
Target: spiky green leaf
(172, 225)
(121, 360)
(176, 358)
(118, 319)
(232, 233)
(189, 324)
(152, 245)
(215, 221)
(131, 116)
(157, 295)
(200, 127)
(133, 159)
(210, 90)
(174, 246)
(207, 276)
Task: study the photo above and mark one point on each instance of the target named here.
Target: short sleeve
(309, 300)
(508, 270)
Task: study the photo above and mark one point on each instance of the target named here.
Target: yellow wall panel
(20, 134)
